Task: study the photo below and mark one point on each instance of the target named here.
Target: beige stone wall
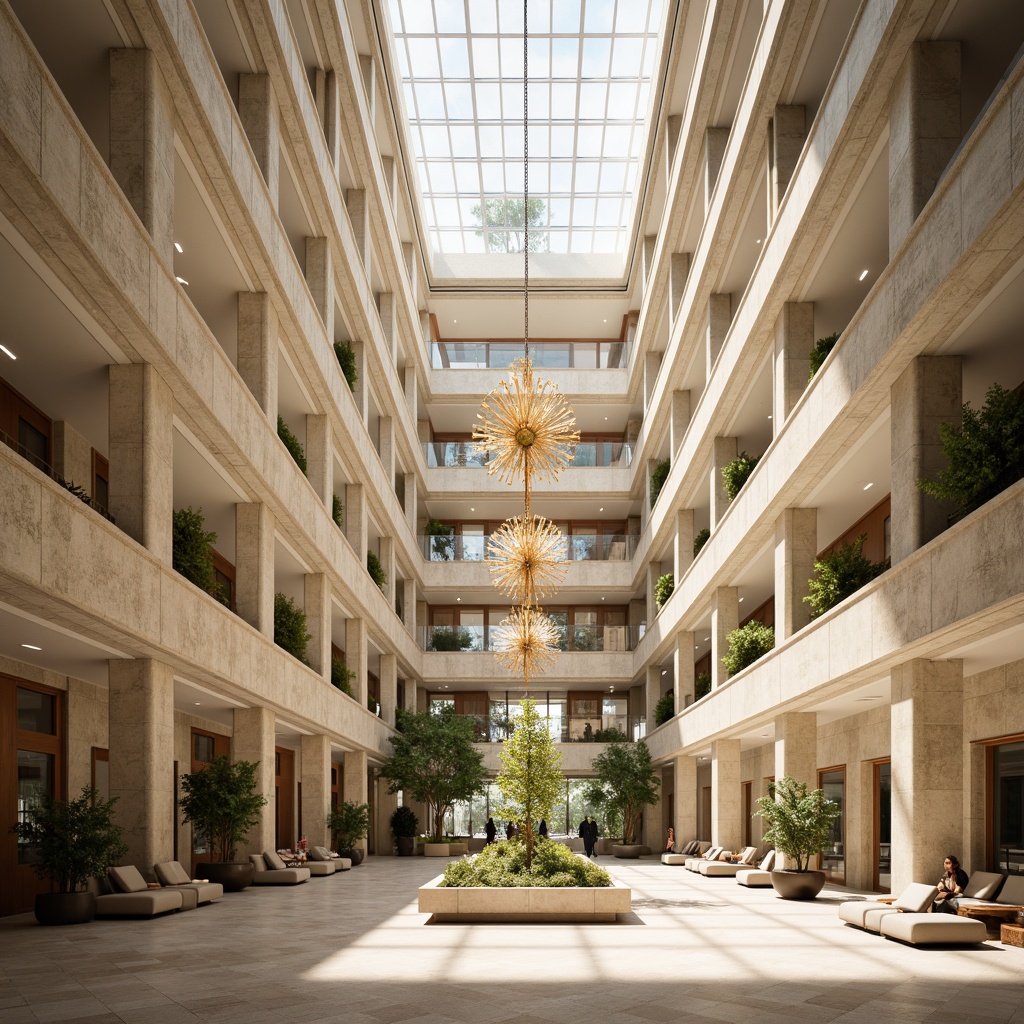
(87, 728)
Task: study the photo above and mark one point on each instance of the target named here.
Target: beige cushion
(274, 862)
(983, 885)
(139, 904)
(128, 878)
(1012, 892)
(170, 872)
(257, 861)
(874, 916)
(933, 929)
(754, 878)
(767, 861)
(319, 853)
(674, 858)
(342, 863)
(916, 898)
(855, 911)
(320, 868)
(287, 876)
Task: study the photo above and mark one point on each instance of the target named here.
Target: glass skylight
(590, 69)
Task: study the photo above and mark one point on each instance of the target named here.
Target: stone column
(411, 388)
(927, 393)
(388, 687)
(332, 117)
(682, 549)
(683, 674)
(361, 390)
(355, 780)
(794, 339)
(652, 694)
(368, 75)
(359, 218)
(409, 604)
(725, 617)
(142, 143)
(388, 323)
(386, 805)
(726, 795)
(409, 262)
(785, 144)
(257, 110)
(253, 740)
(317, 605)
(409, 704)
(715, 140)
(673, 124)
(320, 280)
(924, 131)
(72, 455)
(796, 752)
(723, 452)
(717, 319)
(650, 245)
(387, 560)
(389, 168)
(386, 431)
(679, 271)
(410, 505)
(680, 420)
(355, 657)
(254, 566)
(320, 457)
(684, 798)
(316, 788)
(355, 519)
(796, 546)
(652, 364)
(141, 439)
(140, 717)
(258, 349)
(927, 766)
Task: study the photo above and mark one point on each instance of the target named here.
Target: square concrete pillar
(684, 798)
(924, 130)
(317, 605)
(368, 75)
(141, 455)
(320, 457)
(650, 245)
(652, 364)
(409, 604)
(385, 804)
(717, 319)
(142, 143)
(411, 268)
(355, 657)
(796, 545)
(725, 617)
(682, 549)
(679, 272)
(796, 747)
(928, 392)
(410, 503)
(726, 795)
(320, 279)
(673, 125)
(786, 137)
(386, 448)
(927, 767)
(409, 701)
(682, 670)
(411, 388)
(72, 455)
(388, 687)
(390, 171)
(359, 217)
(355, 780)
(680, 420)
(315, 754)
(355, 519)
(722, 453)
(140, 717)
(361, 390)
(715, 140)
(387, 560)
(791, 368)
(254, 566)
(257, 110)
(652, 694)
(332, 116)
(253, 740)
(258, 349)
(388, 323)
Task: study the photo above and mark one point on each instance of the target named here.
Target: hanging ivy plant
(347, 361)
(839, 574)
(820, 352)
(702, 537)
(375, 569)
(746, 645)
(290, 627)
(736, 473)
(663, 588)
(292, 443)
(658, 478)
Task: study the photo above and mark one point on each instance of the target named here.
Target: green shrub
(375, 569)
(736, 473)
(658, 478)
(338, 512)
(663, 588)
(820, 352)
(985, 454)
(613, 734)
(665, 709)
(347, 824)
(839, 574)
(347, 361)
(702, 685)
(290, 627)
(702, 537)
(292, 443)
(503, 865)
(746, 645)
(404, 823)
(442, 540)
(450, 638)
(342, 676)
(192, 551)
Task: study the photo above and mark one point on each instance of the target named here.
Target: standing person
(491, 829)
(542, 829)
(510, 830)
(951, 885)
(588, 833)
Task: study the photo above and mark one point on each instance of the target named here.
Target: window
(25, 427)
(833, 856)
(37, 712)
(100, 480)
(1008, 807)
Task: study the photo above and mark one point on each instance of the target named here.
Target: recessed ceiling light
(605, 320)
(611, 689)
(869, 485)
(664, 671)
(741, 600)
(32, 647)
(455, 321)
(181, 280)
(7, 352)
(177, 245)
(769, 417)
(446, 686)
(601, 509)
(757, 241)
(471, 509)
(707, 638)
(197, 703)
(764, 734)
(602, 598)
(863, 274)
(458, 599)
(867, 698)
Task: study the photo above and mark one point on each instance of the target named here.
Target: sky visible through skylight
(590, 66)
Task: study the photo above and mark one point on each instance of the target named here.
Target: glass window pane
(37, 712)
(202, 747)
(35, 780)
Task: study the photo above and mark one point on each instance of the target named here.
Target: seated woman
(951, 885)
(670, 842)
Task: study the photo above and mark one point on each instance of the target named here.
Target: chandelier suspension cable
(526, 183)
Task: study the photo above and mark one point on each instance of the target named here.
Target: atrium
(265, 260)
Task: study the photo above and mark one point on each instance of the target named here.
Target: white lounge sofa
(759, 877)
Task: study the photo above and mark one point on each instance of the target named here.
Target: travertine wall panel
(88, 728)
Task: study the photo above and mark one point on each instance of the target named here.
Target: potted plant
(70, 842)
(665, 709)
(192, 551)
(663, 588)
(626, 783)
(736, 473)
(450, 638)
(404, 827)
(346, 357)
(441, 546)
(292, 443)
(221, 804)
(290, 627)
(839, 574)
(349, 823)
(799, 825)
(658, 478)
(746, 645)
(376, 569)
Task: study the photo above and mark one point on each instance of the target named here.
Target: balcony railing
(438, 454)
(582, 547)
(571, 729)
(451, 639)
(546, 355)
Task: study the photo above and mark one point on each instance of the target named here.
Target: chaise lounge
(321, 855)
(694, 863)
(171, 875)
(868, 914)
(131, 896)
(271, 870)
(907, 920)
(759, 877)
(685, 851)
(727, 869)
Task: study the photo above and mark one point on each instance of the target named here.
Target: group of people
(587, 832)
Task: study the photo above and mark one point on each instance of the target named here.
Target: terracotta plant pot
(65, 907)
(234, 877)
(798, 885)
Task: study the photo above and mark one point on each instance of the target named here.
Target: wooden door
(284, 804)
(705, 815)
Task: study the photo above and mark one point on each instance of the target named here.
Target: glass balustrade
(581, 547)
(577, 638)
(550, 355)
(467, 454)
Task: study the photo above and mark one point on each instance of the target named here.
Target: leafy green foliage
(839, 574)
(348, 823)
(442, 540)
(701, 538)
(338, 512)
(450, 638)
(985, 454)
(665, 709)
(658, 478)
(347, 361)
(702, 685)
(71, 840)
(736, 473)
(503, 865)
(626, 783)
(341, 676)
(221, 802)
(613, 734)
(290, 627)
(192, 551)
(433, 760)
(404, 823)
(530, 779)
(663, 588)
(375, 569)
(799, 821)
(820, 352)
(292, 443)
(503, 218)
(746, 645)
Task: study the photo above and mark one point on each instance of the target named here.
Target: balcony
(550, 355)
(578, 638)
(467, 454)
(582, 547)
(563, 729)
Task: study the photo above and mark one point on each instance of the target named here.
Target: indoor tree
(799, 819)
(626, 783)
(221, 803)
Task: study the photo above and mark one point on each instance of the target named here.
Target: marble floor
(353, 949)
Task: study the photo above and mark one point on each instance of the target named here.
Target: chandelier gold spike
(526, 641)
(527, 558)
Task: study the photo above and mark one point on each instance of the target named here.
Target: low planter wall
(435, 849)
(528, 905)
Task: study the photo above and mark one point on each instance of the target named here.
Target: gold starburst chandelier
(528, 431)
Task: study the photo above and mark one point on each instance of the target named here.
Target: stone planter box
(458, 849)
(435, 849)
(527, 905)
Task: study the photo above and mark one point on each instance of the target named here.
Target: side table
(1011, 935)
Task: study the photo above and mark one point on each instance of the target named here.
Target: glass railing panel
(557, 355)
(453, 638)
